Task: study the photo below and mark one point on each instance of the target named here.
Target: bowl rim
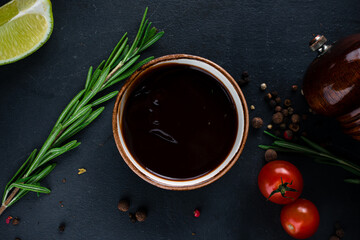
(117, 106)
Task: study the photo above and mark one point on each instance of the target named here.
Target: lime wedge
(25, 25)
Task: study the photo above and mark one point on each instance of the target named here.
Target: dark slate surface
(267, 38)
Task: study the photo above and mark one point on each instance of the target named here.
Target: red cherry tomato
(300, 219)
(280, 181)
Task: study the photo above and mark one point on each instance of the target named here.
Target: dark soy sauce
(179, 121)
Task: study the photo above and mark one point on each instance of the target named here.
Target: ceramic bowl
(242, 114)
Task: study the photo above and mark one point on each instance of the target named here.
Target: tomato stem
(282, 189)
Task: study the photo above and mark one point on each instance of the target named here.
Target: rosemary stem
(8, 200)
(114, 71)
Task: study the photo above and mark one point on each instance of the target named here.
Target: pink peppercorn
(196, 213)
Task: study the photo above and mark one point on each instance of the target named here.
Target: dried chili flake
(8, 219)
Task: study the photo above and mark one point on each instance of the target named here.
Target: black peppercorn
(287, 102)
(270, 155)
(294, 88)
(290, 110)
(257, 122)
(132, 217)
(295, 118)
(272, 103)
(278, 100)
(278, 109)
(278, 118)
(62, 227)
(124, 205)
(285, 112)
(283, 126)
(16, 221)
(140, 215)
(274, 94)
(294, 127)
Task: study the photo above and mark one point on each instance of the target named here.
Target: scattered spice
(334, 238)
(295, 118)
(339, 231)
(193, 233)
(287, 102)
(61, 227)
(63, 180)
(272, 103)
(269, 126)
(288, 134)
(268, 97)
(283, 126)
(302, 92)
(270, 155)
(17, 239)
(132, 217)
(278, 100)
(263, 86)
(245, 79)
(290, 110)
(274, 94)
(294, 127)
(196, 213)
(124, 205)
(61, 204)
(257, 122)
(140, 215)
(285, 112)
(294, 88)
(278, 118)
(81, 171)
(16, 221)
(8, 219)
(252, 107)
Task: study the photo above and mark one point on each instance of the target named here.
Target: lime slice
(25, 25)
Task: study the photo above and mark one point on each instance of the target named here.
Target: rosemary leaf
(68, 108)
(115, 50)
(19, 173)
(118, 53)
(31, 187)
(127, 73)
(104, 98)
(126, 66)
(152, 41)
(354, 181)
(315, 146)
(65, 135)
(44, 149)
(88, 79)
(77, 115)
(59, 152)
(91, 118)
(71, 111)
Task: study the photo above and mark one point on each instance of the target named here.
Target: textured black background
(267, 38)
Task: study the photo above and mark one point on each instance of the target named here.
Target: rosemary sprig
(80, 112)
(318, 153)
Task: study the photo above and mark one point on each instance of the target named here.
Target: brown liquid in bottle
(179, 121)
